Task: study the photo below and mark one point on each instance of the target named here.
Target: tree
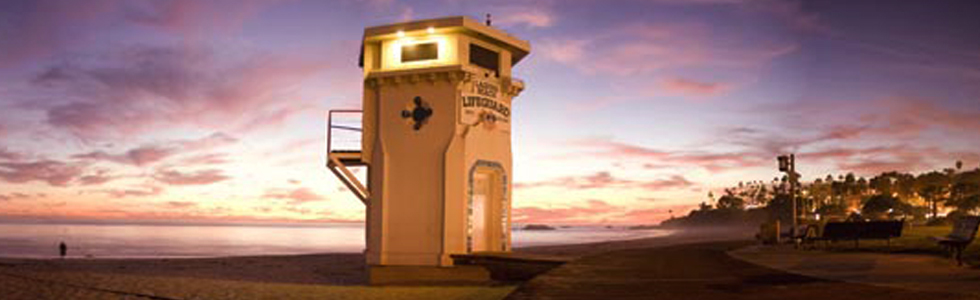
(731, 202)
(883, 184)
(882, 204)
(965, 191)
(933, 187)
(832, 209)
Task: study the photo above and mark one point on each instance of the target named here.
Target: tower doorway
(486, 216)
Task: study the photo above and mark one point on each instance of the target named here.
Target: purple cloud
(52, 172)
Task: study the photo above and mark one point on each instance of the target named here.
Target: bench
(856, 231)
(962, 235)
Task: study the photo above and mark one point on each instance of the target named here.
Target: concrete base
(427, 275)
(509, 266)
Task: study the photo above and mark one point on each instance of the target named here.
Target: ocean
(32, 240)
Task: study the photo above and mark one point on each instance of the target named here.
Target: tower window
(485, 58)
(418, 52)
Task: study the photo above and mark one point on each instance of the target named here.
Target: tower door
(480, 209)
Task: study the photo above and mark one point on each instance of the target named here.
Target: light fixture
(431, 30)
(401, 33)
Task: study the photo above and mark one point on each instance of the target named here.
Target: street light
(787, 164)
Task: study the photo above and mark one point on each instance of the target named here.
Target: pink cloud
(207, 159)
(9, 155)
(675, 181)
(209, 142)
(202, 177)
(598, 180)
(595, 211)
(20, 196)
(296, 196)
(99, 178)
(604, 179)
(146, 191)
(693, 87)
(655, 158)
(180, 204)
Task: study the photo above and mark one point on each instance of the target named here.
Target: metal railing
(344, 130)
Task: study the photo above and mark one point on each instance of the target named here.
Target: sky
(633, 111)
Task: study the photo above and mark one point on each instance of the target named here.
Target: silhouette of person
(64, 249)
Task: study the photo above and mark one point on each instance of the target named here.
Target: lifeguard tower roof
(458, 24)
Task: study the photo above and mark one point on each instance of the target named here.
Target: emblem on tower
(419, 114)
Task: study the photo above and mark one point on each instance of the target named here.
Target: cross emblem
(419, 115)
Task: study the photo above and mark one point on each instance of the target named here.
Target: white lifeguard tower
(435, 138)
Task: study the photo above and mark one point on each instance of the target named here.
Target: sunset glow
(209, 111)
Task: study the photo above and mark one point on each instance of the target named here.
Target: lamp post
(787, 164)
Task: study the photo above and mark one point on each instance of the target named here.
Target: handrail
(330, 127)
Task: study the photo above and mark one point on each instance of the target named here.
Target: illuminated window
(419, 52)
(485, 58)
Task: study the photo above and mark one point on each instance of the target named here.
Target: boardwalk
(701, 271)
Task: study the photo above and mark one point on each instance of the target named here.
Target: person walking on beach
(64, 249)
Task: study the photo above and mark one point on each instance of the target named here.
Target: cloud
(20, 196)
(194, 18)
(295, 196)
(604, 179)
(6, 154)
(202, 177)
(149, 154)
(692, 87)
(675, 181)
(139, 156)
(532, 16)
(99, 178)
(208, 159)
(140, 192)
(52, 172)
(143, 88)
(595, 211)
(42, 27)
(209, 142)
(656, 158)
(598, 180)
(635, 49)
(180, 204)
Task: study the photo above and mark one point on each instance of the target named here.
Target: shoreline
(75, 254)
(324, 268)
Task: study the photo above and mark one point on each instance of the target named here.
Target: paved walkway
(908, 271)
(699, 271)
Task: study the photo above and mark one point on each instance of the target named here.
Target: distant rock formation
(538, 227)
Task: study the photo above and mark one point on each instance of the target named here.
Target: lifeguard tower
(435, 138)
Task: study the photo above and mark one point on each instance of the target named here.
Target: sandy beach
(337, 276)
